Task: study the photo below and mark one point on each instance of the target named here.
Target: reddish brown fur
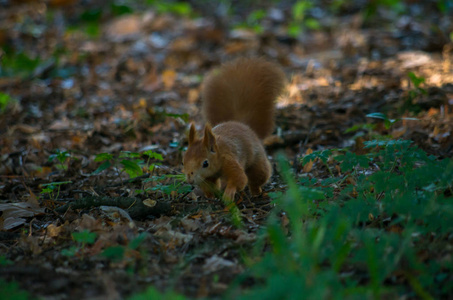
(245, 91)
(240, 99)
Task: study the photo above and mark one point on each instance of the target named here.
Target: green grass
(380, 229)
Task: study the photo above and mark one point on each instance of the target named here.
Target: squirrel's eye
(205, 164)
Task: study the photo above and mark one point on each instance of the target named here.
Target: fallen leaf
(308, 166)
(215, 263)
(169, 78)
(13, 213)
(150, 202)
(125, 28)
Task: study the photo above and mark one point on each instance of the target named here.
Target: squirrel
(238, 100)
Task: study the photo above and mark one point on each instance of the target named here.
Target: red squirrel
(238, 100)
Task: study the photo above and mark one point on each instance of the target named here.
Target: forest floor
(95, 103)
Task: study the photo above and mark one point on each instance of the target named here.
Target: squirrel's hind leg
(258, 174)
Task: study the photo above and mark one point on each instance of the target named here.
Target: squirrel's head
(202, 158)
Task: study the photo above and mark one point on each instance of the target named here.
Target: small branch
(134, 206)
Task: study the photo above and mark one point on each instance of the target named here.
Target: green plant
(372, 7)
(128, 255)
(52, 189)
(88, 22)
(83, 238)
(4, 261)
(444, 6)
(176, 185)
(120, 9)
(300, 19)
(415, 92)
(368, 130)
(175, 7)
(129, 162)
(152, 155)
(388, 123)
(361, 234)
(153, 293)
(5, 101)
(17, 64)
(11, 290)
(159, 114)
(253, 21)
(62, 157)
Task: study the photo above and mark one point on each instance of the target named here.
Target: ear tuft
(192, 134)
(209, 138)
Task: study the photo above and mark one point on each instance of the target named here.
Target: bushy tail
(245, 91)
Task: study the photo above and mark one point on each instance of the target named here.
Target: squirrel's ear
(209, 138)
(192, 134)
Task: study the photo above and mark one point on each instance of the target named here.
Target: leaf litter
(126, 84)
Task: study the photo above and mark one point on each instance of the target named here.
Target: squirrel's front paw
(229, 193)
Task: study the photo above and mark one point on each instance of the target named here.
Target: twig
(134, 206)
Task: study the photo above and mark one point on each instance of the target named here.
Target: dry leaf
(215, 263)
(124, 28)
(150, 202)
(169, 78)
(193, 95)
(308, 166)
(14, 213)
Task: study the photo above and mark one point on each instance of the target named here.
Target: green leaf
(103, 157)
(5, 100)
(256, 16)
(417, 81)
(376, 143)
(377, 116)
(322, 155)
(312, 24)
(47, 190)
(138, 240)
(102, 167)
(4, 261)
(71, 251)
(184, 117)
(121, 9)
(92, 29)
(18, 64)
(129, 154)
(153, 293)
(351, 160)
(155, 178)
(91, 15)
(153, 155)
(132, 168)
(54, 184)
(178, 8)
(61, 156)
(311, 193)
(300, 9)
(11, 290)
(115, 253)
(294, 29)
(84, 237)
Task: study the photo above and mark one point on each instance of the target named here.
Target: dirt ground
(131, 82)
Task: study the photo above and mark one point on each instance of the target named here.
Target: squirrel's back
(245, 91)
